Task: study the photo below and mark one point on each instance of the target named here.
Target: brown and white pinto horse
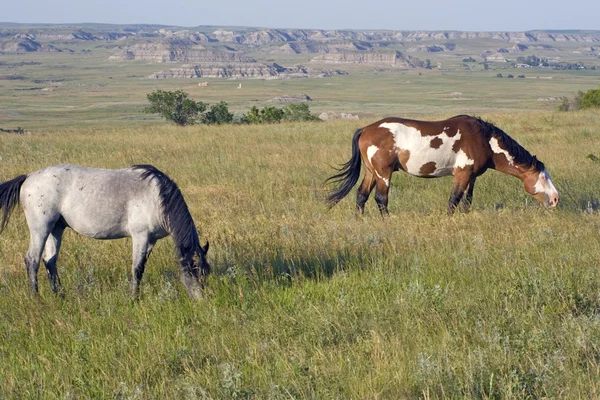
(462, 146)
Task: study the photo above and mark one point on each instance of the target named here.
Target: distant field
(502, 302)
(91, 91)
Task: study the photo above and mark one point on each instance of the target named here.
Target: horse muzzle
(552, 201)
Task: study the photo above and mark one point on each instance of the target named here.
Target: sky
(461, 15)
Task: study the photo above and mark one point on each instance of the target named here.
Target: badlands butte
(300, 53)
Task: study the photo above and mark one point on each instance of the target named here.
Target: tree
(218, 114)
(175, 106)
(298, 112)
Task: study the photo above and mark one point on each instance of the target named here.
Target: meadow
(502, 302)
(306, 302)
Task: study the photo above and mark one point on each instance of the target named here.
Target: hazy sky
(468, 15)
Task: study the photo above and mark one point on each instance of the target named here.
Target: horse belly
(425, 161)
(95, 210)
(96, 223)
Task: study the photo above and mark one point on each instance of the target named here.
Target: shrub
(591, 98)
(175, 106)
(267, 115)
(499, 75)
(298, 112)
(571, 103)
(218, 114)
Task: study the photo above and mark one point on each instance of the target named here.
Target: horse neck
(186, 239)
(515, 169)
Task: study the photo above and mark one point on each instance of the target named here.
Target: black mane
(178, 218)
(518, 152)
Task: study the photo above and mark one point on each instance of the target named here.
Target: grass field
(503, 302)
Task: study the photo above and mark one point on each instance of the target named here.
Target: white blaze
(421, 152)
(544, 185)
(498, 150)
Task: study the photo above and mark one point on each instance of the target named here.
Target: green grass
(503, 302)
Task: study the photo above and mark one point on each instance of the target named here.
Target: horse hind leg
(37, 242)
(364, 190)
(50, 256)
(381, 194)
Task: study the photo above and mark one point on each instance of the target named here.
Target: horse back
(98, 203)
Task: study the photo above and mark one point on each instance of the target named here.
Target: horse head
(540, 186)
(200, 263)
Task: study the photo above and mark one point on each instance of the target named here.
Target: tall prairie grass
(308, 303)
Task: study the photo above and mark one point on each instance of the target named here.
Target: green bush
(298, 112)
(175, 106)
(268, 115)
(591, 98)
(218, 114)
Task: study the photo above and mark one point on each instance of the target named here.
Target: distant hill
(252, 52)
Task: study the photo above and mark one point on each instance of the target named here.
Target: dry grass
(306, 303)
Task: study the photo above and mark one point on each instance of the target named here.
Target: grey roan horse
(139, 202)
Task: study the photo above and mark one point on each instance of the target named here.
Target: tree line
(178, 108)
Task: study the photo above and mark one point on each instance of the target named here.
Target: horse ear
(205, 248)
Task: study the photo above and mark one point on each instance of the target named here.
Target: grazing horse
(139, 202)
(462, 146)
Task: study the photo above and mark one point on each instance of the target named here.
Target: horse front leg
(467, 199)
(462, 177)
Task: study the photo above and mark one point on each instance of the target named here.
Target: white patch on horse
(462, 160)
(371, 150)
(498, 150)
(419, 145)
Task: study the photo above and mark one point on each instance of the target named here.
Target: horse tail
(348, 175)
(9, 197)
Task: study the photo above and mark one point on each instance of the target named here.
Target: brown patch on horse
(436, 143)
(457, 146)
(403, 156)
(451, 131)
(427, 168)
